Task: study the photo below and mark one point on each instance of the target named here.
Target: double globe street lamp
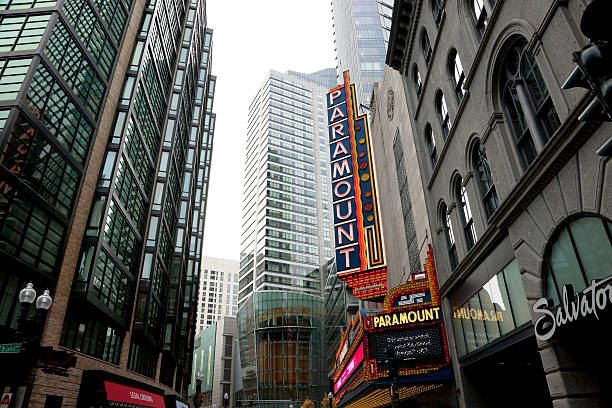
(27, 296)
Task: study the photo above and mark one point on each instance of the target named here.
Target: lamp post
(25, 328)
(392, 363)
(330, 397)
(197, 398)
(29, 333)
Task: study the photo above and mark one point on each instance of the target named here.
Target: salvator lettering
(594, 299)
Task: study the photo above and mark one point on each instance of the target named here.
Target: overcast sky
(250, 38)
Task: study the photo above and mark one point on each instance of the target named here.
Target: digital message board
(360, 260)
(413, 345)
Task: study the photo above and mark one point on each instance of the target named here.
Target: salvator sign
(594, 299)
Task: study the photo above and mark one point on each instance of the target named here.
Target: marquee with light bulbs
(411, 323)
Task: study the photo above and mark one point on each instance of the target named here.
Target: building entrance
(512, 377)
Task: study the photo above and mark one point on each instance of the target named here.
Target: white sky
(250, 38)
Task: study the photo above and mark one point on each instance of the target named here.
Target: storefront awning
(129, 397)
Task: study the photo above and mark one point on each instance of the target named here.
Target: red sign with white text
(133, 396)
(350, 367)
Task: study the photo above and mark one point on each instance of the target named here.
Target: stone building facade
(402, 196)
(519, 204)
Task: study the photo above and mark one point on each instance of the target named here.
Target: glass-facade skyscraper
(106, 130)
(285, 239)
(361, 33)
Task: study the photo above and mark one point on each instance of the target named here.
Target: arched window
(482, 11)
(579, 253)
(450, 236)
(426, 46)
(416, 77)
(527, 102)
(482, 171)
(437, 8)
(466, 214)
(458, 76)
(431, 145)
(442, 109)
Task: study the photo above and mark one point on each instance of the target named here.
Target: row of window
(83, 19)
(527, 106)
(39, 164)
(488, 195)
(75, 68)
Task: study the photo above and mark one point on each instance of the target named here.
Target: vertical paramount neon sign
(360, 260)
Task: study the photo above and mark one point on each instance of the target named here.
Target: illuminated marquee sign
(357, 233)
(350, 367)
(429, 314)
(411, 324)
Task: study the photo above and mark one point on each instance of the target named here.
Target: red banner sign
(350, 367)
(134, 396)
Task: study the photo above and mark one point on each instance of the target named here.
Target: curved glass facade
(280, 335)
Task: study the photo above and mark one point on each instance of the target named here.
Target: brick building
(106, 130)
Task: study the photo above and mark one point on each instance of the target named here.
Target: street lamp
(44, 301)
(330, 396)
(28, 333)
(27, 296)
(197, 399)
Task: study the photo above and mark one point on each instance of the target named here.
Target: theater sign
(411, 325)
(360, 259)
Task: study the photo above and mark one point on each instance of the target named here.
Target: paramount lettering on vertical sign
(360, 258)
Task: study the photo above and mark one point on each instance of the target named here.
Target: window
(445, 122)
(431, 145)
(437, 9)
(482, 171)
(111, 286)
(12, 74)
(416, 77)
(426, 46)
(91, 32)
(580, 252)
(498, 308)
(457, 74)
(29, 233)
(91, 337)
(466, 214)
(22, 32)
(21, 4)
(51, 104)
(72, 64)
(528, 105)
(119, 235)
(40, 165)
(143, 360)
(450, 236)
(481, 9)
